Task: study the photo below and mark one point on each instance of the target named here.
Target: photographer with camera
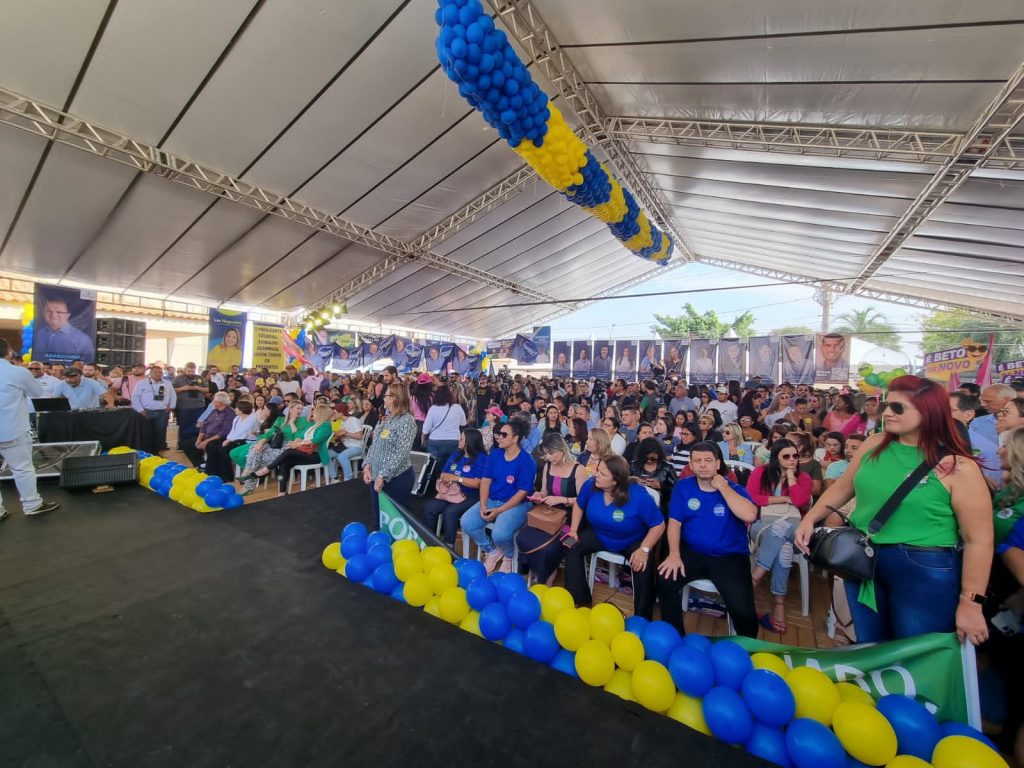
(155, 399)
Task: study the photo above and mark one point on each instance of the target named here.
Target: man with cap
(81, 393)
(215, 430)
(155, 400)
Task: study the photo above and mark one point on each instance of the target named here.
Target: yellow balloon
(771, 662)
(864, 732)
(539, 590)
(816, 696)
(407, 564)
(453, 605)
(554, 601)
(417, 591)
(853, 692)
(606, 621)
(594, 663)
(572, 629)
(621, 685)
(189, 498)
(965, 752)
(689, 711)
(627, 650)
(433, 607)
(471, 624)
(176, 493)
(403, 546)
(584, 611)
(443, 577)
(202, 506)
(435, 556)
(341, 565)
(120, 449)
(908, 761)
(653, 686)
(331, 558)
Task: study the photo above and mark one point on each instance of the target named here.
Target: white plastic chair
(303, 471)
(614, 559)
(805, 581)
(707, 586)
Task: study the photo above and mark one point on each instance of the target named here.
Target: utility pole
(824, 297)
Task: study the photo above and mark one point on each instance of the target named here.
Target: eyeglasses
(653, 458)
(788, 456)
(977, 348)
(504, 434)
(898, 409)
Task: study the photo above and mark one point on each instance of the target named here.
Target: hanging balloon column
(873, 382)
(491, 77)
(27, 325)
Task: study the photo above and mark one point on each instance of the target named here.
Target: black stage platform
(134, 632)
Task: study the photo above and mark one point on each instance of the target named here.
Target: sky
(773, 307)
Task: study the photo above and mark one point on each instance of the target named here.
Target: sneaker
(3, 513)
(506, 565)
(46, 506)
(492, 559)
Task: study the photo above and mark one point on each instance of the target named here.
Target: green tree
(791, 330)
(869, 325)
(947, 328)
(702, 326)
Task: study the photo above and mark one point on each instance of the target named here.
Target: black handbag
(848, 551)
(276, 440)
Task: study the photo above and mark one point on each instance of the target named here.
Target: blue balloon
(565, 661)
(691, 671)
(697, 642)
(480, 593)
(660, 639)
(470, 571)
(378, 555)
(811, 745)
(853, 762)
(357, 567)
(917, 731)
(494, 622)
(218, 496)
(384, 579)
(398, 593)
(523, 609)
(636, 624)
(953, 728)
(515, 640)
(378, 537)
(541, 644)
(353, 545)
(233, 501)
(731, 663)
(512, 584)
(727, 716)
(770, 700)
(768, 743)
(354, 529)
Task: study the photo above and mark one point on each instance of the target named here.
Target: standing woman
(441, 428)
(923, 581)
(422, 399)
(387, 466)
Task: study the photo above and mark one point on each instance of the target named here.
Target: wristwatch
(645, 550)
(974, 597)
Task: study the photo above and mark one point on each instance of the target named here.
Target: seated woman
(307, 448)
(732, 445)
(689, 436)
(779, 482)
(350, 445)
(709, 423)
(492, 418)
(561, 479)
(576, 436)
(764, 452)
(707, 539)
(663, 429)
(644, 431)
(462, 471)
(599, 447)
(506, 482)
(805, 447)
(549, 423)
(652, 470)
(613, 513)
(285, 429)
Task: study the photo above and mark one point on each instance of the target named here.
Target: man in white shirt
(725, 406)
(46, 381)
(17, 386)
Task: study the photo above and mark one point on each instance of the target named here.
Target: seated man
(81, 393)
(215, 429)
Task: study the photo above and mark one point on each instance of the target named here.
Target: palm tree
(870, 325)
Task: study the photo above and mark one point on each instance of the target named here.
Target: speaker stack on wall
(120, 342)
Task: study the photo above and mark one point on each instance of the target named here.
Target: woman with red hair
(932, 557)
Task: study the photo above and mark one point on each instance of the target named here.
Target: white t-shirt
(728, 409)
(443, 422)
(618, 445)
(244, 427)
(288, 386)
(352, 424)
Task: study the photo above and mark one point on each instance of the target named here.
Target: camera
(159, 394)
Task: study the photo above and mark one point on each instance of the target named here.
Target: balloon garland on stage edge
(185, 485)
(491, 77)
(792, 717)
(28, 313)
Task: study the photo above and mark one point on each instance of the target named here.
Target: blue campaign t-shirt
(458, 464)
(619, 527)
(709, 526)
(507, 477)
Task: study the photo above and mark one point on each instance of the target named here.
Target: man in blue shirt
(81, 392)
(57, 339)
(707, 539)
(982, 430)
(155, 400)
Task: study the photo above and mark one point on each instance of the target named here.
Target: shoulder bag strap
(900, 494)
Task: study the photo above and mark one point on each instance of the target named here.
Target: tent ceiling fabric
(342, 106)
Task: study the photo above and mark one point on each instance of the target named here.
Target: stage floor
(134, 632)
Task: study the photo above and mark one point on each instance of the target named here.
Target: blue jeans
(775, 550)
(442, 449)
(917, 591)
(505, 526)
(345, 460)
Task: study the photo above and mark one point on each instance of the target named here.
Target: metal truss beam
(989, 131)
(526, 25)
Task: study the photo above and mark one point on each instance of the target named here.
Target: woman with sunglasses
(505, 484)
(732, 445)
(652, 470)
(778, 410)
(763, 452)
(779, 482)
(932, 557)
(387, 466)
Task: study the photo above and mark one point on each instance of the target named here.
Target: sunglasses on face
(977, 348)
(787, 456)
(504, 434)
(898, 409)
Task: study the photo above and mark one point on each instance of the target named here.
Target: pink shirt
(799, 494)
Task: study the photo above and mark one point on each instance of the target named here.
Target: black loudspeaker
(93, 471)
(103, 358)
(103, 325)
(119, 325)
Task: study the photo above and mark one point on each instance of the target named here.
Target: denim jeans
(442, 449)
(917, 591)
(505, 526)
(775, 550)
(345, 460)
(159, 421)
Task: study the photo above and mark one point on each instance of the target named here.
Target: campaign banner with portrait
(266, 347)
(650, 359)
(732, 360)
(831, 358)
(64, 325)
(625, 360)
(702, 361)
(526, 352)
(542, 341)
(603, 363)
(798, 359)
(1008, 371)
(411, 352)
(374, 349)
(963, 360)
(345, 338)
(675, 358)
(582, 359)
(346, 359)
(500, 348)
(561, 357)
(227, 338)
(764, 358)
(432, 355)
(463, 363)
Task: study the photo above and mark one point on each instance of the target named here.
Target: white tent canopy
(872, 144)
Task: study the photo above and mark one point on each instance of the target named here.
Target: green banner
(394, 522)
(928, 667)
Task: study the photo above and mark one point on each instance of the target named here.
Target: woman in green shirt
(308, 447)
(290, 426)
(932, 558)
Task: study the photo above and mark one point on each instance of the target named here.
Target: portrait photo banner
(227, 338)
(798, 359)
(266, 347)
(702, 361)
(832, 358)
(582, 359)
(675, 358)
(603, 359)
(561, 356)
(64, 325)
(650, 358)
(625, 360)
(764, 358)
(732, 360)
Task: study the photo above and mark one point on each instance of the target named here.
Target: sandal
(766, 621)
